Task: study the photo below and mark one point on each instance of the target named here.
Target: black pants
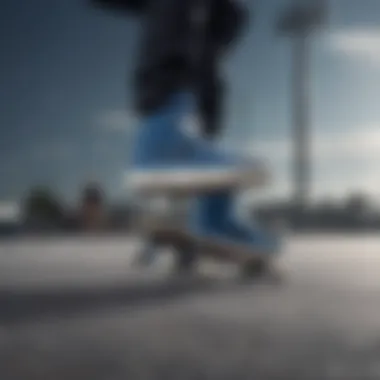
(179, 51)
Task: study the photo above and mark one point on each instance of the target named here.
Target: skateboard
(160, 222)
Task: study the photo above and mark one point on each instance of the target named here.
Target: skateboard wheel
(147, 254)
(255, 268)
(186, 258)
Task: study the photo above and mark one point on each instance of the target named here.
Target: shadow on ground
(23, 305)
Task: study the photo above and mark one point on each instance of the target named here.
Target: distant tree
(93, 207)
(357, 204)
(42, 207)
(93, 194)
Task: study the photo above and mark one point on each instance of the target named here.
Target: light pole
(299, 21)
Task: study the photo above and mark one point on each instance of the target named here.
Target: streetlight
(298, 21)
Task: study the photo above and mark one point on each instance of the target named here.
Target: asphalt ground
(76, 308)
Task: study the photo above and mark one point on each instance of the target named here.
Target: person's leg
(214, 213)
(164, 67)
(136, 7)
(165, 157)
(211, 105)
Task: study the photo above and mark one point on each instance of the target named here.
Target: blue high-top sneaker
(214, 223)
(166, 157)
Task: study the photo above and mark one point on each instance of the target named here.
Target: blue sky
(65, 115)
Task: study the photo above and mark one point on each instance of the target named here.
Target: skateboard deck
(172, 235)
(162, 232)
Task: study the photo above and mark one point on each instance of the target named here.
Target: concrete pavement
(75, 309)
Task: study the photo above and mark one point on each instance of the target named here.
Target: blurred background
(302, 88)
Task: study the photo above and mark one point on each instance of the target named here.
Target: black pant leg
(164, 64)
(211, 106)
(226, 22)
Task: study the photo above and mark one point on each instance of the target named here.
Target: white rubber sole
(194, 181)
